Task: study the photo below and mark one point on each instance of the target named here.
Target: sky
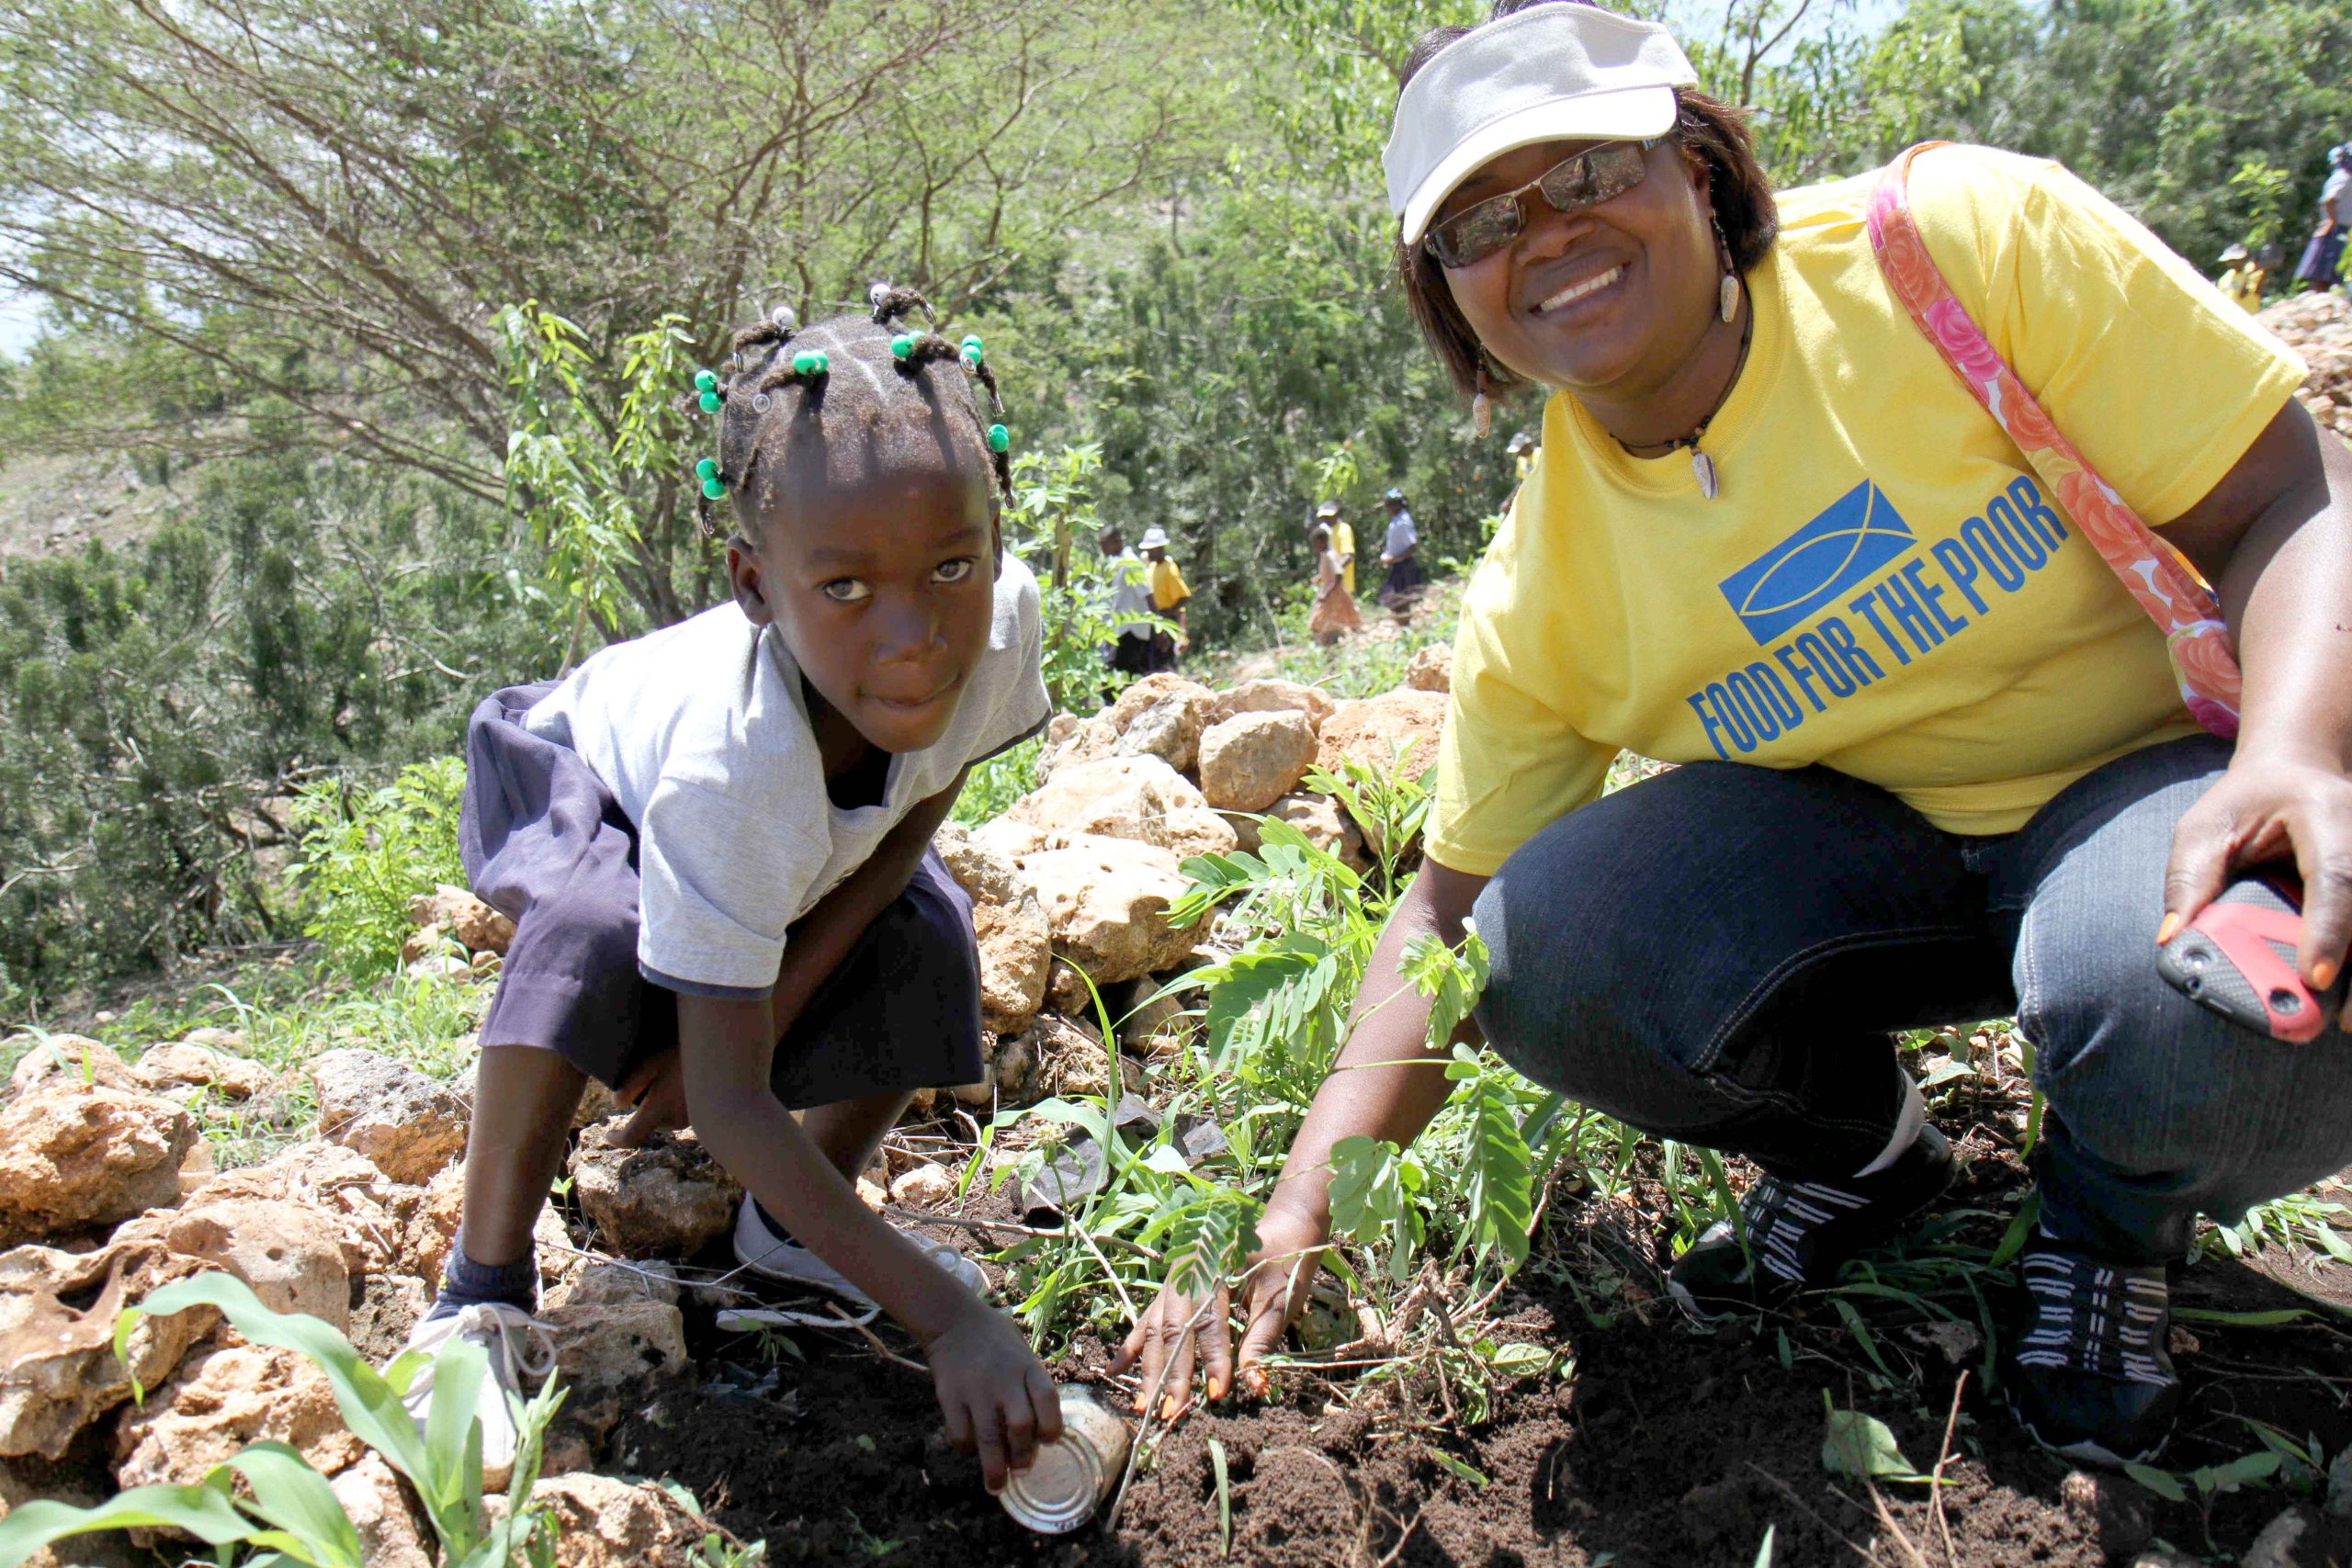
(19, 319)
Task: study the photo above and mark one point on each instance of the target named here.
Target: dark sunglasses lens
(1473, 236)
(1591, 178)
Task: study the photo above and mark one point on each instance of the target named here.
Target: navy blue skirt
(545, 844)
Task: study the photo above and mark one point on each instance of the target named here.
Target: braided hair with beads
(865, 373)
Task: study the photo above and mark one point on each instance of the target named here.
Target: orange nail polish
(2170, 928)
(2324, 972)
(1168, 1408)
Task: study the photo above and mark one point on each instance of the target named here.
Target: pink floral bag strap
(2204, 659)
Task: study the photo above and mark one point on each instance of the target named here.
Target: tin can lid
(1059, 1491)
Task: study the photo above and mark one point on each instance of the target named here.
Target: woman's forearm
(1389, 1080)
(2287, 591)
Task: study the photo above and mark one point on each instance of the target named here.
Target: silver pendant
(1702, 468)
(1727, 297)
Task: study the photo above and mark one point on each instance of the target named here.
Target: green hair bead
(999, 438)
(902, 347)
(706, 381)
(707, 469)
(810, 362)
(713, 486)
(710, 401)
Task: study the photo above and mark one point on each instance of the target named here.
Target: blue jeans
(1717, 955)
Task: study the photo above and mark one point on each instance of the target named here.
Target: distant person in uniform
(2322, 266)
(1343, 541)
(1522, 455)
(1335, 607)
(2242, 281)
(1129, 609)
(1401, 554)
(1167, 596)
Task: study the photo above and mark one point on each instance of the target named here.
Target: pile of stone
(1074, 882)
(2319, 327)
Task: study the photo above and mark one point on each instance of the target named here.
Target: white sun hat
(1154, 538)
(1557, 71)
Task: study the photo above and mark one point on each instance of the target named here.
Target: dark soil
(1665, 1444)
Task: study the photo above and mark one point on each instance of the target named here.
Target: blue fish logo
(1779, 590)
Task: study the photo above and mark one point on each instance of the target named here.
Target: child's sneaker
(2090, 1375)
(1799, 1232)
(519, 1347)
(765, 1253)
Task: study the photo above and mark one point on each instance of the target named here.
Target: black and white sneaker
(1799, 1232)
(2091, 1378)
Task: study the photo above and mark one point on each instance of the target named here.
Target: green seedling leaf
(2163, 1483)
(2243, 1471)
(1205, 1238)
(1513, 1362)
(1455, 1468)
(1764, 1553)
(1864, 1448)
(1497, 1178)
(204, 1512)
(2278, 1317)
(296, 1499)
(1224, 1499)
(1373, 1191)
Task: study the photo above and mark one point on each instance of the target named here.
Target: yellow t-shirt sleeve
(1508, 765)
(2160, 379)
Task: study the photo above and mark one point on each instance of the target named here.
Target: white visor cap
(1557, 71)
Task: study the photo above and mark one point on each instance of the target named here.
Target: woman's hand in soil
(658, 1090)
(1177, 1331)
(995, 1394)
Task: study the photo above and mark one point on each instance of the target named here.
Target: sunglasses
(1590, 179)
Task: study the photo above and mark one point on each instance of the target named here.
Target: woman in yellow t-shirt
(1938, 768)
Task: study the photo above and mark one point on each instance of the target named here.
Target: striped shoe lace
(1781, 1214)
(2094, 1318)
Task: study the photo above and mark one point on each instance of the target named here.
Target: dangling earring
(1727, 294)
(1482, 407)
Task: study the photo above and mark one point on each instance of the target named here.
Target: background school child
(714, 841)
(1129, 607)
(2242, 278)
(1343, 540)
(1400, 552)
(1335, 607)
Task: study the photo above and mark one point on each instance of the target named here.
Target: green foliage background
(383, 306)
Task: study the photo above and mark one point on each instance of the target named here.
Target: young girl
(1335, 607)
(715, 842)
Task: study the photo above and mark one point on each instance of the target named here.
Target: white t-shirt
(700, 732)
(1130, 593)
(2338, 182)
(1402, 536)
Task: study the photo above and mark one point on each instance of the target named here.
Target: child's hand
(997, 1398)
(658, 1090)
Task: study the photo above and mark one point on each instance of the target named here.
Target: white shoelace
(503, 1326)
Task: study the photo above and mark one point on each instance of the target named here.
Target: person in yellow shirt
(1342, 542)
(2242, 279)
(1167, 596)
(1936, 766)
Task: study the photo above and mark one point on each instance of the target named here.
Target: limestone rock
(1431, 669)
(2339, 1486)
(924, 1186)
(665, 1199)
(1119, 797)
(1067, 1059)
(607, 1283)
(58, 1370)
(1017, 955)
(183, 1065)
(1271, 696)
(1013, 840)
(71, 1061)
(604, 1522)
(1106, 901)
(1011, 1065)
(614, 1354)
(986, 874)
(1325, 825)
(1149, 693)
(2296, 1538)
(1252, 760)
(393, 1532)
(221, 1400)
(441, 966)
(410, 1126)
(1370, 730)
(1060, 728)
(1170, 728)
(1150, 1029)
(290, 1255)
(368, 1209)
(473, 924)
(1204, 832)
(21, 1483)
(1091, 741)
(73, 1157)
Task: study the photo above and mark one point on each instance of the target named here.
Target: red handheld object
(2237, 957)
